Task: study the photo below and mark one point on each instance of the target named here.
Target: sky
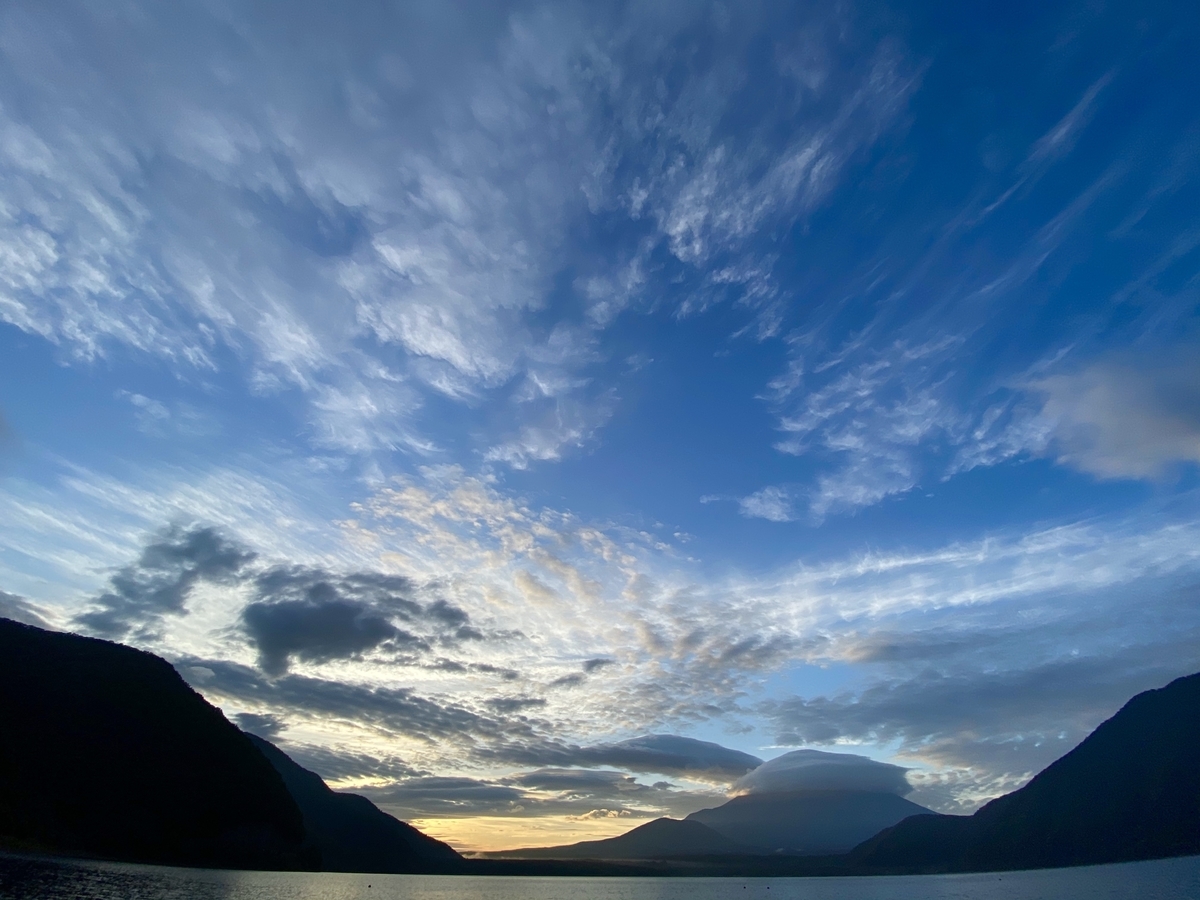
(534, 415)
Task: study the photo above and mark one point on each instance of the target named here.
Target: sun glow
(481, 834)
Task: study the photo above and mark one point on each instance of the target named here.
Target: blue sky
(779, 375)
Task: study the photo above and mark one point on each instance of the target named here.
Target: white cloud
(415, 218)
(771, 503)
(715, 205)
(564, 425)
(373, 229)
(919, 392)
(1060, 139)
(874, 419)
(556, 593)
(816, 770)
(1124, 418)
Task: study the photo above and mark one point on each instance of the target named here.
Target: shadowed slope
(807, 822)
(351, 832)
(660, 839)
(105, 751)
(1130, 791)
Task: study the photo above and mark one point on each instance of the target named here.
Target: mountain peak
(1130, 790)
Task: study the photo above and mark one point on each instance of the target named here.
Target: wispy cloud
(401, 241)
(375, 638)
(404, 261)
(976, 734)
(772, 503)
(897, 403)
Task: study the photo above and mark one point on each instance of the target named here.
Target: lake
(26, 879)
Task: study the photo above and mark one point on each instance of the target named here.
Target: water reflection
(27, 878)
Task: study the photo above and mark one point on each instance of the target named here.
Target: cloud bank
(397, 244)
(817, 770)
(1126, 418)
(21, 610)
(671, 754)
(934, 638)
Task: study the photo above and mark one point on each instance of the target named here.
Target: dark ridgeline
(809, 822)
(351, 833)
(658, 839)
(105, 751)
(1130, 791)
(796, 823)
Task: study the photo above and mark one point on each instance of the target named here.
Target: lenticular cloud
(814, 770)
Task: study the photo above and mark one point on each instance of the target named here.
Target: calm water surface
(1175, 879)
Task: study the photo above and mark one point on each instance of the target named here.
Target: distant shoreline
(593, 868)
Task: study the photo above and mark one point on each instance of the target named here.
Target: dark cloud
(507, 736)
(663, 754)
(592, 782)
(515, 704)
(340, 765)
(571, 792)
(574, 679)
(584, 791)
(390, 593)
(318, 632)
(316, 616)
(438, 796)
(1126, 417)
(396, 711)
(263, 725)
(304, 614)
(21, 610)
(453, 665)
(1040, 666)
(497, 738)
(298, 612)
(449, 615)
(999, 726)
(958, 714)
(991, 694)
(161, 579)
(568, 779)
(506, 674)
(670, 754)
(815, 770)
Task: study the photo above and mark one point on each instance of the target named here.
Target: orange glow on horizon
(487, 833)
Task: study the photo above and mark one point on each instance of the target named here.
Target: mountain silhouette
(352, 833)
(105, 751)
(799, 823)
(660, 839)
(810, 822)
(1130, 791)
